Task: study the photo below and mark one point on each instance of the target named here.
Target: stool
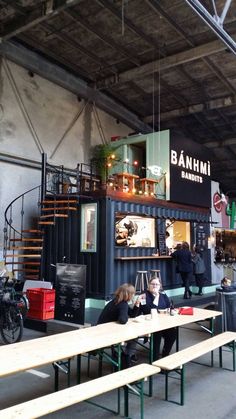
(141, 281)
(155, 273)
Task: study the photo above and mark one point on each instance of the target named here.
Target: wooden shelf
(142, 257)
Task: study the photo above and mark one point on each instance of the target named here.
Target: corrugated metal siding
(119, 271)
(104, 272)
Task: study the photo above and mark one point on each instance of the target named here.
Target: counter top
(142, 257)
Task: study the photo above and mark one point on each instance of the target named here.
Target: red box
(40, 315)
(41, 303)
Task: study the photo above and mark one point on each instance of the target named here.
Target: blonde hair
(124, 293)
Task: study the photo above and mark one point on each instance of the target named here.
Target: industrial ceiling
(151, 64)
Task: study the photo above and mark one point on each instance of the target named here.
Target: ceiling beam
(78, 20)
(165, 63)
(222, 143)
(196, 108)
(30, 20)
(39, 65)
(124, 20)
(214, 23)
(155, 6)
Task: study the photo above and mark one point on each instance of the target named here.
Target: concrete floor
(210, 392)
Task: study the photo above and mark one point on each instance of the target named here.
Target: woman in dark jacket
(183, 259)
(118, 310)
(199, 268)
(153, 298)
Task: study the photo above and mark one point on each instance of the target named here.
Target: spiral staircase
(33, 216)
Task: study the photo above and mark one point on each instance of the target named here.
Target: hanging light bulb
(135, 163)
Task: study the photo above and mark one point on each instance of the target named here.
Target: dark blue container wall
(104, 272)
(120, 271)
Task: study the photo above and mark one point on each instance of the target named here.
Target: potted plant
(103, 157)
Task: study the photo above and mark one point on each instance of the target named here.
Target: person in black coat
(183, 259)
(118, 310)
(153, 298)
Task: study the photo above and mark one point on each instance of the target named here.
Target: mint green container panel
(157, 155)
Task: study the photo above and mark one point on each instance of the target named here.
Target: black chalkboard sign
(162, 244)
(70, 293)
(201, 236)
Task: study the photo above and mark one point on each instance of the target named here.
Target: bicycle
(13, 308)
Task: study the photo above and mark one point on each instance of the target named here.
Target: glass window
(134, 230)
(176, 233)
(88, 242)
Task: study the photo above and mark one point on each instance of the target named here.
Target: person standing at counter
(183, 258)
(153, 298)
(198, 268)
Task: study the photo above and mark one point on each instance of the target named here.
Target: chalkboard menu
(201, 236)
(70, 293)
(162, 244)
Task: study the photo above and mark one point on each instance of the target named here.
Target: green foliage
(101, 156)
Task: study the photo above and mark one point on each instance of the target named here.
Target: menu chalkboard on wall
(201, 236)
(162, 244)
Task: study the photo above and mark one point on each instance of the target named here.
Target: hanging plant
(103, 156)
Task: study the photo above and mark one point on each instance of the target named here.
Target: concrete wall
(38, 116)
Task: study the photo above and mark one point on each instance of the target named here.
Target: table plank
(34, 353)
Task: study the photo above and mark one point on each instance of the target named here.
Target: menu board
(70, 293)
(162, 244)
(201, 236)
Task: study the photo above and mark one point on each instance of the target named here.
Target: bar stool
(155, 273)
(141, 281)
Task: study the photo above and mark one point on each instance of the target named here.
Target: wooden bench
(56, 401)
(176, 361)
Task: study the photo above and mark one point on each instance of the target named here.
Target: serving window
(135, 230)
(176, 233)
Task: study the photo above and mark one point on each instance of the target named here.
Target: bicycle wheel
(11, 325)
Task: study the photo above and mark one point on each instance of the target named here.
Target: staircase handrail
(12, 202)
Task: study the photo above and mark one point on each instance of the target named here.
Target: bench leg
(234, 347)
(68, 372)
(177, 339)
(220, 357)
(78, 368)
(140, 393)
(63, 366)
(212, 358)
(100, 359)
(182, 372)
(141, 401)
(166, 385)
(56, 377)
(150, 392)
(126, 401)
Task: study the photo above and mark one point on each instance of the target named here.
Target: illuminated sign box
(190, 173)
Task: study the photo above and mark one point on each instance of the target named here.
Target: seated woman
(153, 298)
(119, 310)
